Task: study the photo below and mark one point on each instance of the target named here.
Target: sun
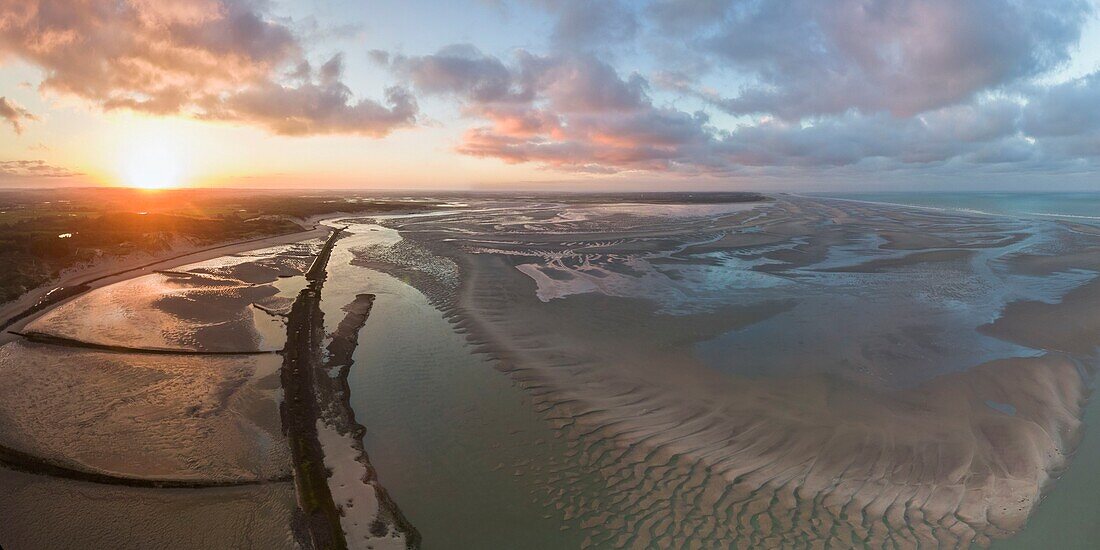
(151, 159)
(152, 166)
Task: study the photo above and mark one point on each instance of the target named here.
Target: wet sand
(45, 512)
(193, 418)
(878, 433)
(207, 306)
(797, 373)
(14, 314)
(114, 408)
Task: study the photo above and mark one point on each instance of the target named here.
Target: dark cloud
(1065, 118)
(686, 17)
(462, 69)
(224, 59)
(975, 130)
(572, 83)
(805, 57)
(14, 115)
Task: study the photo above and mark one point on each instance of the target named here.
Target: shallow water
(782, 375)
(1067, 518)
(459, 448)
(642, 335)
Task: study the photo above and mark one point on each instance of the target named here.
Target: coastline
(1008, 427)
(972, 487)
(305, 401)
(19, 312)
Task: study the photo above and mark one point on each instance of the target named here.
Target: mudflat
(804, 370)
(747, 372)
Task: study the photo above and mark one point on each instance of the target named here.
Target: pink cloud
(568, 112)
(218, 59)
(14, 115)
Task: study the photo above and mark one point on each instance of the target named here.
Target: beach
(689, 363)
(794, 371)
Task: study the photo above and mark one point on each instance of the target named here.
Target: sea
(1080, 207)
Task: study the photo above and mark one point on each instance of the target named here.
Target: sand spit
(896, 423)
(22, 462)
(40, 338)
(368, 515)
(1070, 326)
(341, 504)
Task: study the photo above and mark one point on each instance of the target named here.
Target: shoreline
(955, 494)
(317, 520)
(17, 313)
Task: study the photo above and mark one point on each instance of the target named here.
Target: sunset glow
(549, 274)
(573, 95)
(152, 166)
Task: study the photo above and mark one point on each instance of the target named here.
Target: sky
(790, 95)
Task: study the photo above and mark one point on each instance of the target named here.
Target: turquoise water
(1079, 207)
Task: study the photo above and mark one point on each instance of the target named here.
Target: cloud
(575, 112)
(461, 69)
(878, 85)
(1066, 117)
(319, 104)
(218, 59)
(1067, 109)
(14, 115)
(566, 111)
(980, 133)
(804, 58)
(849, 85)
(33, 169)
(585, 25)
